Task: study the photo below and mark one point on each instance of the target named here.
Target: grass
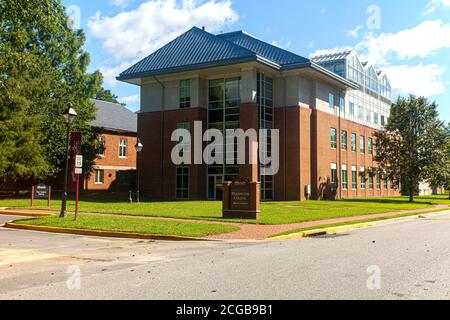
(273, 213)
(132, 225)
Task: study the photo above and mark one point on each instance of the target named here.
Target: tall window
(378, 181)
(123, 146)
(352, 108)
(354, 178)
(334, 176)
(185, 94)
(353, 142)
(370, 146)
(331, 100)
(375, 118)
(363, 178)
(342, 104)
(224, 113)
(385, 183)
(182, 180)
(344, 178)
(102, 143)
(383, 121)
(344, 140)
(265, 116)
(362, 144)
(333, 138)
(371, 178)
(99, 176)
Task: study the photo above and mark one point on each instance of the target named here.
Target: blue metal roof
(194, 49)
(263, 49)
(198, 49)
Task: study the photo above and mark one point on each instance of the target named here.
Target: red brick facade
(112, 164)
(157, 172)
(306, 154)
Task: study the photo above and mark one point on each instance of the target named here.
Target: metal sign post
(78, 171)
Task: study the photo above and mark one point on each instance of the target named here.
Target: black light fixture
(69, 117)
(139, 146)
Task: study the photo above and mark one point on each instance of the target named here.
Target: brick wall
(111, 163)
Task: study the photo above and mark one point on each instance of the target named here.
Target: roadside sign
(41, 191)
(78, 162)
(78, 171)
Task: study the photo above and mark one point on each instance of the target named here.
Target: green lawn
(132, 225)
(342, 224)
(272, 212)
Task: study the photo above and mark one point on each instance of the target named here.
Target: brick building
(115, 167)
(327, 110)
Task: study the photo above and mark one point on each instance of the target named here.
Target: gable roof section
(197, 49)
(192, 50)
(114, 116)
(263, 49)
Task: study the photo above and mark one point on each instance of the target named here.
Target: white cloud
(418, 42)
(121, 3)
(433, 5)
(394, 51)
(354, 33)
(420, 79)
(283, 43)
(111, 72)
(131, 99)
(137, 33)
(321, 52)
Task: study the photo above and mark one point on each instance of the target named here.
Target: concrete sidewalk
(246, 231)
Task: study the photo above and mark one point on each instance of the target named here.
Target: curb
(322, 231)
(335, 230)
(97, 233)
(10, 212)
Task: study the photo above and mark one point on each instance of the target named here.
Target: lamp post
(69, 117)
(139, 146)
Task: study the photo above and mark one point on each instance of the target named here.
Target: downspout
(284, 134)
(339, 169)
(163, 91)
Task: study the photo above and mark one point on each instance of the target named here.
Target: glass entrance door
(215, 187)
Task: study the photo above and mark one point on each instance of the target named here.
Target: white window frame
(177, 188)
(123, 146)
(97, 175)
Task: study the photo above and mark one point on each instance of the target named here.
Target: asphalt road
(405, 260)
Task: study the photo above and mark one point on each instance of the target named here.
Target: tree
(52, 75)
(440, 171)
(106, 95)
(412, 142)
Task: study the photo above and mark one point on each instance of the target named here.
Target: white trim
(117, 168)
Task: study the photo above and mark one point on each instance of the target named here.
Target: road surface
(404, 260)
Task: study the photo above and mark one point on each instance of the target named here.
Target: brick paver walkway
(254, 231)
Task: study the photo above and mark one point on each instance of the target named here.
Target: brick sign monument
(241, 200)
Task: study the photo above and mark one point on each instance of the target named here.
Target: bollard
(131, 197)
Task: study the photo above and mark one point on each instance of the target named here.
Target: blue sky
(409, 40)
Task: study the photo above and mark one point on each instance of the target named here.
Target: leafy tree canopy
(43, 70)
(412, 143)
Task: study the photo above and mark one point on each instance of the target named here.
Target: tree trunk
(411, 192)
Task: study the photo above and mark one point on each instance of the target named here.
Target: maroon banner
(75, 150)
